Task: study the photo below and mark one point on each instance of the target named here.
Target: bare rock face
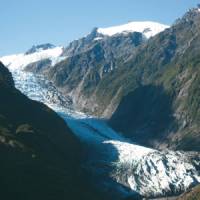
(36, 48)
(89, 61)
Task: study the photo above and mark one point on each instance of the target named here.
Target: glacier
(115, 165)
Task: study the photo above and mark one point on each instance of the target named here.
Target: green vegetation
(169, 61)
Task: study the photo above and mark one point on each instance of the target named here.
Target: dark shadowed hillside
(40, 157)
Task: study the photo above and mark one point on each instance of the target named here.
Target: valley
(122, 168)
(113, 115)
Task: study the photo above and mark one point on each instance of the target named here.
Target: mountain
(152, 86)
(81, 66)
(113, 165)
(91, 58)
(149, 83)
(40, 156)
(80, 74)
(159, 87)
(146, 30)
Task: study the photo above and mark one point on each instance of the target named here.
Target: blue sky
(27, 22)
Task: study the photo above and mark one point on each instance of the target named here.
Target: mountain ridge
(103, 72)
(36, 48)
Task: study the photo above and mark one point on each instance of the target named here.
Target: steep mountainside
(87, 60)
(154, 81)
(80, 74)
(160, 88)
(40, 156)
(91, 58)
(152, 85)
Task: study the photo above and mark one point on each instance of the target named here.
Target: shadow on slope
(39, 155)
(144, 114)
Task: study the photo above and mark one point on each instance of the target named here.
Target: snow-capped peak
(19, 61)
(148, 28)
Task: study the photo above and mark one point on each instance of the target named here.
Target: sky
(30, 22)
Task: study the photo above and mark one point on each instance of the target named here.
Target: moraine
(114, 164)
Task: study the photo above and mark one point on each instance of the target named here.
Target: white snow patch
(148, 28)
(128, 151)
(56, 60)
(98, 38)
(19, 61)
